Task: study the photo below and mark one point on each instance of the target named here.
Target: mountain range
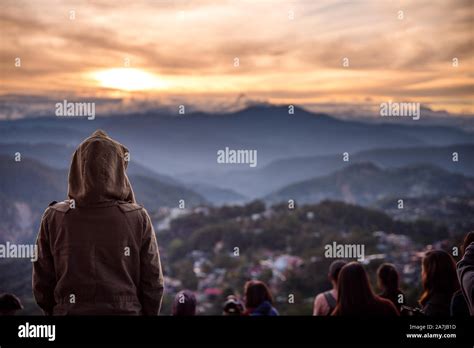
(173, 143)
(291, 147)
(173, 157)
(366, 183)
(279, 173)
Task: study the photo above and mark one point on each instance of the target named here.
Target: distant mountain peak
(280, 109)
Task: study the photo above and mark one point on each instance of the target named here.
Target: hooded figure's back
(97, 251)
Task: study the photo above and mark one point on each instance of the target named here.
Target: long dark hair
(438, 275)
(184, 304)
(388, 278)
(256, 292)
(354, 293)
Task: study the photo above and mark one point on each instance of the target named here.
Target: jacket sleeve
(151, 276)
(44, 276)
(465, 269)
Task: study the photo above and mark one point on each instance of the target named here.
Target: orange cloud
(286, 50)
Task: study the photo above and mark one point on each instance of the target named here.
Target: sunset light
(376, 55)
(128, 79)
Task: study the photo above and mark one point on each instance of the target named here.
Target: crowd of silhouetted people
(446, 291)
(258, 301)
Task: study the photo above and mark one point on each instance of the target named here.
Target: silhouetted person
(258, 299)
(233, 306)
(459, 305)
(9, 304)
(184, 304)
(97, 251)
(325, 303)
(440, 282)
(355, 296)
(465, 269)
(388, 282)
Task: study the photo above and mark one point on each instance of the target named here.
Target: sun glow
(128, 79)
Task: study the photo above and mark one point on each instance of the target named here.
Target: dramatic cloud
(286, 51)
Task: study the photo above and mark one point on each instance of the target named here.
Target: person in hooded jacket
(258, 299)
(97, 251)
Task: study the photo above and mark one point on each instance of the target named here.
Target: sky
(358, 53)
